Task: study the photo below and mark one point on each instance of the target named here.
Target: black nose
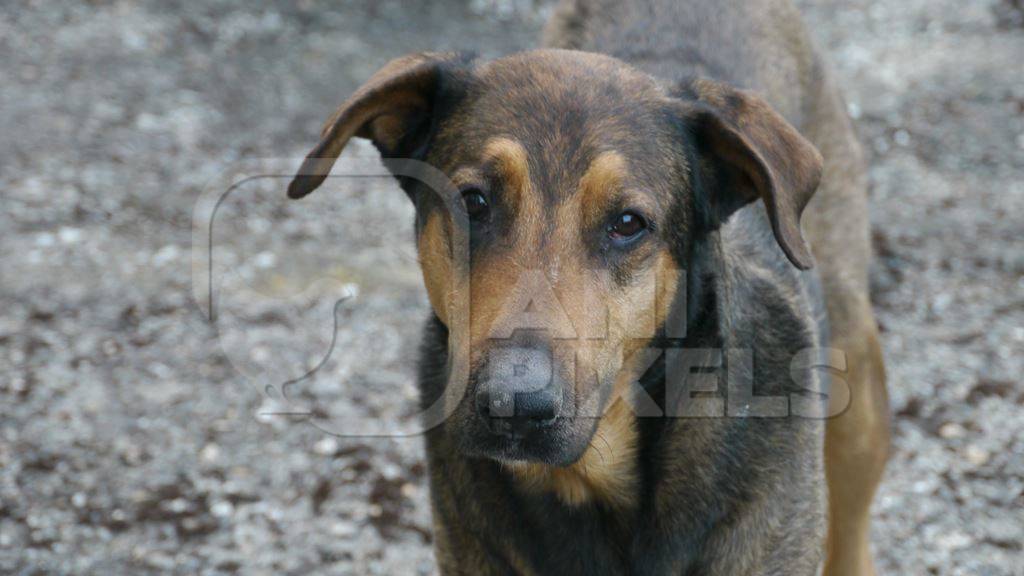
(519, 392)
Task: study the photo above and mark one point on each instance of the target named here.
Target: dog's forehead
(567, 72)
(565, 109)
(574, 93)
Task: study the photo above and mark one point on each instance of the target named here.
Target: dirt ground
(137, 436)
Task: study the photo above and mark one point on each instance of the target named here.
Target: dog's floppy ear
(752, 153)
(394, 106)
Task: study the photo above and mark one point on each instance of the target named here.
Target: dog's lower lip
(516, 440)
(506, 450)
(542, 447)
(515, 448)
(509, 431)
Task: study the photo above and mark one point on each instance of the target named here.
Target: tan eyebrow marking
(511, 162)
(604, 176)
(509, 158)
(600, 183)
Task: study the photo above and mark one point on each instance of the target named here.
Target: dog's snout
(519, 392)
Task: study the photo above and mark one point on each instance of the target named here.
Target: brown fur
(606, 472)
(802, 87)
(607, 468)
(435, 263)
(556, 179)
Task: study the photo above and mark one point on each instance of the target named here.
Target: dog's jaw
(606, 474)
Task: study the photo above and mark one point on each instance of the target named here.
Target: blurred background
(137, 436)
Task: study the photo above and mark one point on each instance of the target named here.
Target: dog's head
(580, 186)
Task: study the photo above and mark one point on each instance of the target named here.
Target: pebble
(954, 540)
(409, 490)
(69, 235)
(222, 509)
(210, 453)
(343, 529)
(326, 446)
(265, 260)
(178, 506)
(165, 255)
(952, 430)
(976, 455)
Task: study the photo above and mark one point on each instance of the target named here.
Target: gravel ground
(138, 436)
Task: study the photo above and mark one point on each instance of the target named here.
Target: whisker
(609, 446)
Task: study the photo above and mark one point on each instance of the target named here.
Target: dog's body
(648, 167)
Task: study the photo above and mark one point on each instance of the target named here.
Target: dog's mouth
(558, 442)
(526, 402)
(547, 426)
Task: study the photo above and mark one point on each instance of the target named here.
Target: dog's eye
(476, 204)
(627, 226)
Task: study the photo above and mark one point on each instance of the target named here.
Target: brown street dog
(623, 294)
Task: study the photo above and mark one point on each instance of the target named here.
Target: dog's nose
(520, 392)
